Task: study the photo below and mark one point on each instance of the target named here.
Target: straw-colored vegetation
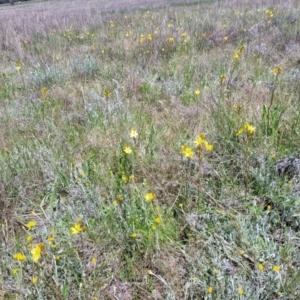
(150, 154)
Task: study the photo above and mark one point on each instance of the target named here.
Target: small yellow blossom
(149, 272)
(260, 267)
(134, 235)
(240, 132)
(115, 202)
(44, 91)
(277, 70)
(154, 227)
(94, 260)
(225, 38)
(222, 77)
(249, 128)
(199, 139)
(276, 269)
(269, 207)
(240, 292)
(171, 40)
(197, 92)
(107, 93)
(19, 256)
(50, 239)
(238, 107)
(57, 257)
(187, 151)
(15, 271)
(241, 252)
(36, 252)
(127, 150)
(149, 37)
(217, 271)
(76, 228)
(150, 197)
(180, 205)
(210, 290)
(34, 280)
(31, 224)
(208, 147)
(28, 238)
(157, 220)
(133, 133)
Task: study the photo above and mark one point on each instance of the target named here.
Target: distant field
(103, 5)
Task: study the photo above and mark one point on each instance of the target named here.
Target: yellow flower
(34, 280)
(76, 229)
(28, 238)
(240, 292)
(94, 260)
(36, 252)
(15, 271)
(153, 227)
(18, 66)
(240, 132)
(197, 92)
(238, 107)
(133, 133)
(269, 207)
(208, 147)
(180, 205)
(44, 91)
(217, 271)
(57, 257)
(107, 93)
(127, 150)
(199, 139)
(277, 70)
(124, 178)
(19, 256)
(276, 269)
(249, 128)
(236, 56)
(260, 267)
(149, 272)
(187, 151)
(134, 235)
(149, 37)
(150, 197)
(225, 38)
(223, 77)
(31, 224)
(210, 290)
(50, 239)
(171, 40)
(157, 220)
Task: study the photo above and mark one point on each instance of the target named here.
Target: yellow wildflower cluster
(269, 12)
(238, 53)
(187, 151)
(248, 129)
(200, 140)
(277, 70)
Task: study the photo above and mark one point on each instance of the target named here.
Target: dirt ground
(74, 5)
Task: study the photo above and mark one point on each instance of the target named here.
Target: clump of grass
(150, 154)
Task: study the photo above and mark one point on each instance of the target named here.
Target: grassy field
(150, 153)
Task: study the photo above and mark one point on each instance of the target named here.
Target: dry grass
(76, 80)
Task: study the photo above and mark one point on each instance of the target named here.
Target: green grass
(223, 222)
